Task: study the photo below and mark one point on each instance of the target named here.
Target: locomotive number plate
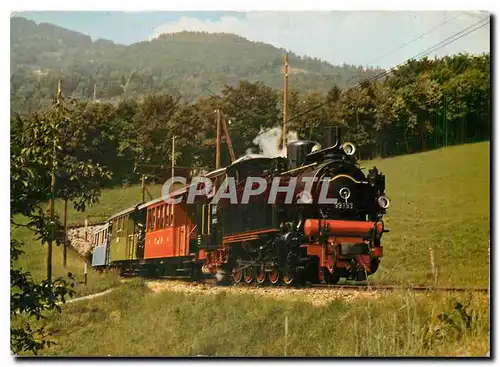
(344, 205)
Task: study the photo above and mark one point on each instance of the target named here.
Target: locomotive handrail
(299, 168)
(349, 177)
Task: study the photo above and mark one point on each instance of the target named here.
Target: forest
(425, 104)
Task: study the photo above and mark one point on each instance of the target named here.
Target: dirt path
(90, 296)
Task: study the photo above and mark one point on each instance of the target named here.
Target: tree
(34, 140)
(252, 108)
(152, 126)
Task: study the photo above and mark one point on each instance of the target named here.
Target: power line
(415, 39)
(434, 48)
(426, 52)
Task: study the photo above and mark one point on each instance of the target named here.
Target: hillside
(188, 64)
(439, 200)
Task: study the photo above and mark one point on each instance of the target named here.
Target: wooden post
(173, 155)
(53, 189)
(65, 248)
(86, 231)
(85, 272)
(95, 92)
(143, 187)
(217, 146)
(52, 223)
(433, 265)
(285, 95)
(228, 139)
(286, 332)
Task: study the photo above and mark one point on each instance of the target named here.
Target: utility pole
(173, 155)
(65, 248)
(285, 94)
(143, 187)
(53, 188)
(228, 139)
(217, 146)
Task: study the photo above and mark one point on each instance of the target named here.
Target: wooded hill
(186, 64)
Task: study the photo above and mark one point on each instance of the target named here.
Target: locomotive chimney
(333, 136)
(297, 151)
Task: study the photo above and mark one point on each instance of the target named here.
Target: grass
(133, 321)
(112, 200)
(440, 200)
(34, 260)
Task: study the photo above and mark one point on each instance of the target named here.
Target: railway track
(362, 287)
(385, 287)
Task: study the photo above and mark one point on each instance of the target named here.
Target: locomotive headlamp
(304, 197)
(316, 148)
(349, 148)
(345, 193)
(383, 202)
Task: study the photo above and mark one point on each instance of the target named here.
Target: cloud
(356, 37)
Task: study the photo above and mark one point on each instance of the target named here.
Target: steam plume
(270, 141)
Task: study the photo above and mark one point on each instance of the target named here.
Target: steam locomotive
(317, 218)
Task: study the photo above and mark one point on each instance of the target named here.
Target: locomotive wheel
(333, 278)
(248, 275)
(237, 276)
(261, 276)
(374, 265)
(274, 276)
(288, 277)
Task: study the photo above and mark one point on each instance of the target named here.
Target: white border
(147, 5)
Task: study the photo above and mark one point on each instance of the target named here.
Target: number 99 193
(344, 205)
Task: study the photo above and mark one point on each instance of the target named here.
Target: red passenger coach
(168, 231)
(170, 236)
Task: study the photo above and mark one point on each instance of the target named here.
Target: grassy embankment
(440, 200)
(133, 321)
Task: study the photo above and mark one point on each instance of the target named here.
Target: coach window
(155, 216)
(167, 215)
(158, 217)
(155, 210)
(150, 220)
(165, 218)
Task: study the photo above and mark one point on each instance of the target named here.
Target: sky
(368, 38)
